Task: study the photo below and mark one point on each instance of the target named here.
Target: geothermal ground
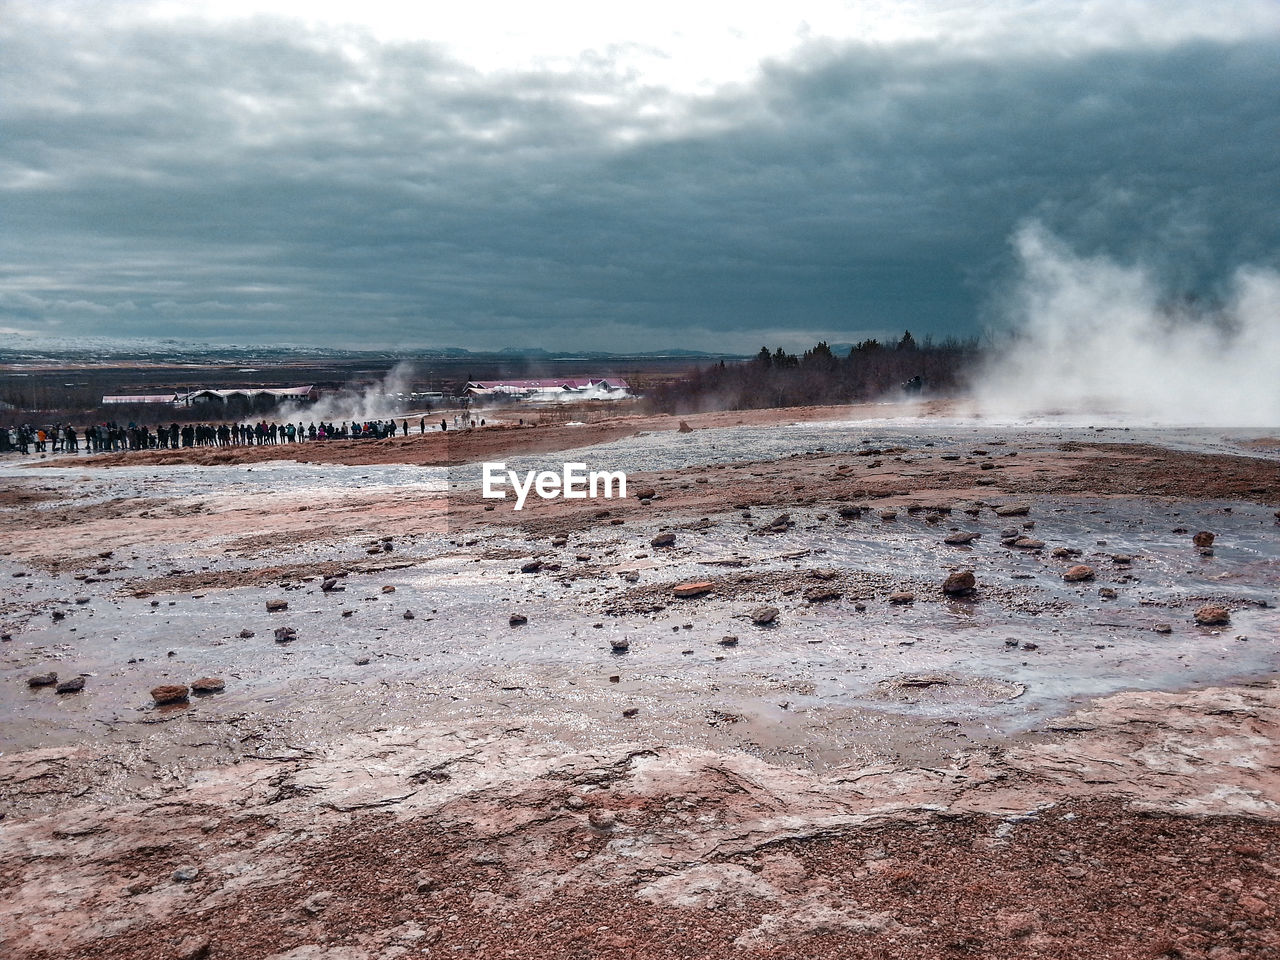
(445, 728)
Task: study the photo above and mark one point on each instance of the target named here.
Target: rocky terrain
(831, 688)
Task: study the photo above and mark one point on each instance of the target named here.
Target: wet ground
(135, 576)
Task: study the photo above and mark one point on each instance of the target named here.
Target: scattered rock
(620, 645)
(762, 615)
(388, 588)
(518, 620)
(275, 606)
(1078, 573)
(728, 641)
(1203, 539)
(693, 589)
(821, 594)
(888, 515)
(1213, 615)
(631, 711)
(328, 585)
(170, 693)
(1028, 543)
(902, 597)
(408, 614)
(193, 947)
(1107, 593)
(1013, 510)
(533, 566)
(42, 680)
(74, 685)
(602, 819)
(646, 493)
(285, 634)
(316, 903)
(1162, 628)
(685, 428)
(208, 685)
(186, 874)
(960, 583)
(663, 540)
(961, 538)
(246, 634)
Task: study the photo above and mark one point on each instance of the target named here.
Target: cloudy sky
(609, 176)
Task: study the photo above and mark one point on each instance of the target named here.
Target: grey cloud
(236, 182)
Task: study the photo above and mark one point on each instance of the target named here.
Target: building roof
(550, 383)
(142, 398)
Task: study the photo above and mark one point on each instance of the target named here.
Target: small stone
(959, 583)
(1213, 615)
(518, 620)
(602, 819)
(1107, 593)
(821, 594)
(316, 903)
(902, 597)
(1203, 539)
(1078, 573)
(532, 566)
(246, 634)
(42, 680)
(170, 693)
(663, 540)
(1162, 628)
(620, 645)
(685, 428)
(887, 515)
(1013, 510)
(328, 585)
(388, 588)
(208, 685)
(1028, 543)
(74, 685)
(960, 538)
(631, 711)
(194, 947)
(408, 614)
(763, 615)
(729, 641)
(186, 874)
(285, 634)
(645, 493)
(575, 802)
(275, 606)
(696, 589)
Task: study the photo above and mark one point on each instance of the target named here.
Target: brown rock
(663, 540)
(959, 583)
(685, 428)
(1028, 543)
(961, 538)
(285, 634)
(532, 566)
(646, 493)
(762, 615)
(1203, 539)
(207, 685)
(74, 685)
(902, 597)
(822, 594)
(275, 606)
(42, 680)
(1078, 573)
(693, 589)
(1013, 510)
(170, 693)
(388, 588)
(1213, 615)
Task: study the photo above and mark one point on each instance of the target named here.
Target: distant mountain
(16, 349)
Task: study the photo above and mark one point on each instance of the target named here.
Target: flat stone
(695, 589)
(170, 693)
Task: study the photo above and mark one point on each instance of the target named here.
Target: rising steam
(1093, 336)
(378, 401)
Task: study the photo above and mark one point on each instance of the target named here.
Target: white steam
(383, 400)
(1097, 337)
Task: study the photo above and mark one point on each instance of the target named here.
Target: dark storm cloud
(258, 183)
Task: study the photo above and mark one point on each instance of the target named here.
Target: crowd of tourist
(114, 437)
